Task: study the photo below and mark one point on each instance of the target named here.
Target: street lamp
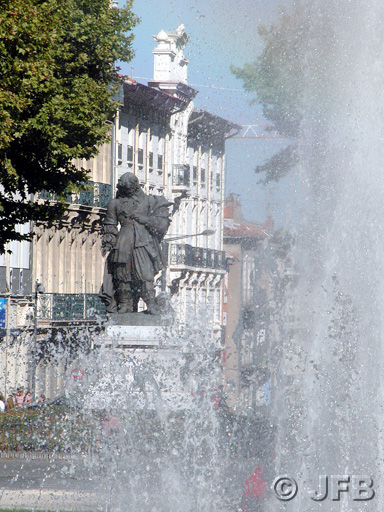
(39, 288)
(206, 232)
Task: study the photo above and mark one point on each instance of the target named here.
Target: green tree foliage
(56, 85)
(280, 77)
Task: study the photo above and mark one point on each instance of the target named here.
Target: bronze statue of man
(134, 251)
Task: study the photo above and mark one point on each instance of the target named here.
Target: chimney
(232, 209)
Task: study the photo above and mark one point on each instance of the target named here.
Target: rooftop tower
(170, 68)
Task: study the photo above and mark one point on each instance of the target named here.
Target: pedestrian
(20, 398)
(218, 398)
(10, 403)
(27, 398)
(2, 403)
(42, 399)
(254, 492)
(111, 425)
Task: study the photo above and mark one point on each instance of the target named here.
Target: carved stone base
(135, 319)
(150, 346)
(130, 336)
(136, 329)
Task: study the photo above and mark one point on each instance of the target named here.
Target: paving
(38, 482)
(48, 484)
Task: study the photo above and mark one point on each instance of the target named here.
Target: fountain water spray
(158, 441)
(332, 374)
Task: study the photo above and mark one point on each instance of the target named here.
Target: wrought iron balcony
(99, 195)
(70, 306)
(185, 254)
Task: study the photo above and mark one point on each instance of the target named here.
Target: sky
(221, 33)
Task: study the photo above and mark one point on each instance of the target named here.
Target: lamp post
(39, 288)
(206, 232)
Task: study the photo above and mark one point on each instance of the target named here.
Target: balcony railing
(70, 306)
(99, 195)
(185, 254)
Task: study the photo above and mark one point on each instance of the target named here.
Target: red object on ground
(216, 399)
(111, 425)
(255, 485)
(254, 488)
(77, 374)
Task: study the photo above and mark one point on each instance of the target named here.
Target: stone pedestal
(136, 319)
(145, 341)
(134, 330)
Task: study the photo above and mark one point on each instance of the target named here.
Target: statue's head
(127, 185)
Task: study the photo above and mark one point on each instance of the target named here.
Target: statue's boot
(124, 301)
(149, 299)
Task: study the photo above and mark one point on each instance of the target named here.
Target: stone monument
(134, 252)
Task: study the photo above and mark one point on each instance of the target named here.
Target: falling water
(158, 445)
(330, 393)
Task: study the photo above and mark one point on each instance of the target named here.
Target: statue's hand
(106, 249)
(142, 219)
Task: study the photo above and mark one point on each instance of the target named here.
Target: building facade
(251, 296)
(174, 149)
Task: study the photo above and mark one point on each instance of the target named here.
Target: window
(248, 318)
(159, 162)
(181, 175)
(150, 161)
(218, 180)
(202, 177)
(130, 154)
(246, 377)
(140, 158)
(194, 174)
(119, 154)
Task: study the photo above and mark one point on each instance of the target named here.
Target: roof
(202, 124)
(247, 230)
(236, 227)
(142, 95)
